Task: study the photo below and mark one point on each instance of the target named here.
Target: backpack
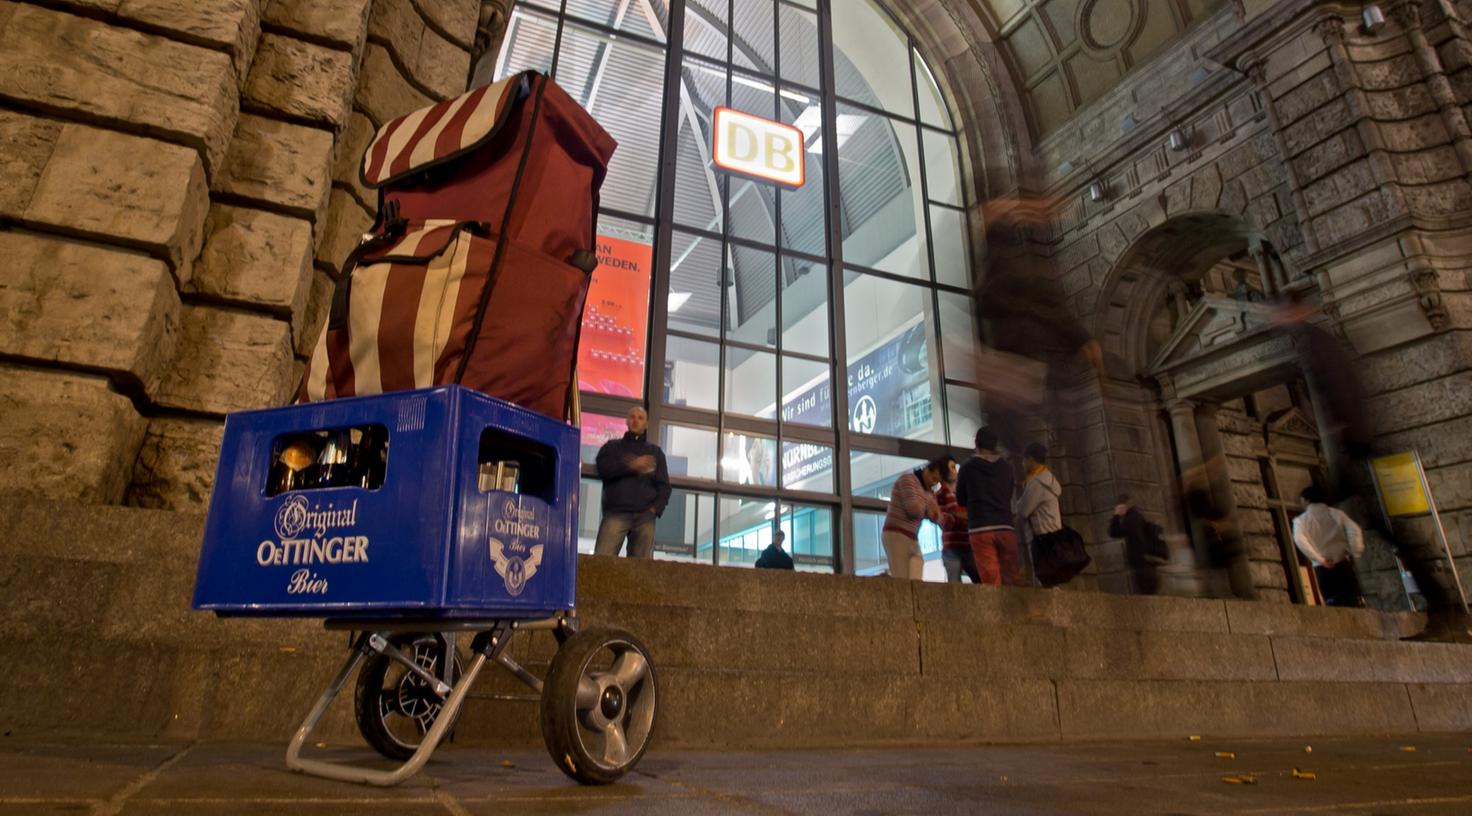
(478, 265)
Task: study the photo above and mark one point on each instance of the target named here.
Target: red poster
(616, 319)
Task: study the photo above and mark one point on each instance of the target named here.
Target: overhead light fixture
(1176, 140)
(1096, 190)
(678, 299)
(1373, 17)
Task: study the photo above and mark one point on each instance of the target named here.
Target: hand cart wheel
(598, 704)
(395, 707)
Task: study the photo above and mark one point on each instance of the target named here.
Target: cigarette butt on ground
(1240, 779)
(1226, 755)
(1310, 775)
(1197, 738)
(1410, 749)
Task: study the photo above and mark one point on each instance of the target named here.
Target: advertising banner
(888, 395)
(616, 319)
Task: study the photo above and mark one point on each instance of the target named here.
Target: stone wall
(1350, 154)
(180, 190)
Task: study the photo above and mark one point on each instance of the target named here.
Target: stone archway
(1185, 323)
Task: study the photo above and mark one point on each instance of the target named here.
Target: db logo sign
(758, 147)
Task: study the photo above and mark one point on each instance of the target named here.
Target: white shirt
(1325, 533)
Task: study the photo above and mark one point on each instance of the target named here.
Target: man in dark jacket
(636, 487)
(984, 487)
(1143, 546)
(773, 557)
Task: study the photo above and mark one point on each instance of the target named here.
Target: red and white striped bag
(478, 264)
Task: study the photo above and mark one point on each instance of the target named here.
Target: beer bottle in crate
(291, 469)
(333, 468)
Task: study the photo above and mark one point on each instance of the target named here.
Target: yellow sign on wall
(1402, 490)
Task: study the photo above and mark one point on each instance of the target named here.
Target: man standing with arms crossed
(636, 487)
(984, 487)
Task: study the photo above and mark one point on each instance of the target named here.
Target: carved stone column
(1408, 14)
(1331, 29)
(1258, 74)
(489, 33)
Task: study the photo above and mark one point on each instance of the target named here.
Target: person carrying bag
(1057, 550)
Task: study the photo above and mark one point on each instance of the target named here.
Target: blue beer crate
(427, 543)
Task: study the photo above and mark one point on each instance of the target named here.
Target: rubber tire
(559, 708)
(366, 695)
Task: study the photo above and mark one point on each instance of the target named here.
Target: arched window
(732, 304)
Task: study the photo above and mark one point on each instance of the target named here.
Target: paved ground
(1353, 776)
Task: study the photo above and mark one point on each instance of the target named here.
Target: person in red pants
(984, 487)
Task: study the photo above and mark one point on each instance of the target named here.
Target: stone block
(1304, 621)
(342, 230)
(397, 26)
(1127, 655)
(348, 160)
(455, 19)
(441, 66)
(233, 26)
(1307, 97)
(343, 23)
(1389, 74)
(1102, 709)
(1442, 707)
(383, 93)
(991, 650)
(127, 189)
(26, 143)
(1345, 185)
(306, 330)
(228, 361)
(256, 258)
(1441, 198)
(1411, 135)
(279, 165)
(1337, 151)
(665, 583)
(301, 80)
(87, 306)
(1437, 400)
(1325, 122)
(1403, 103)
(176, 465)
(1407, 365)
(66, 436)
(1371, 661)
(956, 708)
(119, 77)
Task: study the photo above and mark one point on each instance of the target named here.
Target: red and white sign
(758, 147)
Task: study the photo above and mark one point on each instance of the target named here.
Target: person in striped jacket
(912, 501)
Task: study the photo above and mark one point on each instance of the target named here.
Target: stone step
(97, 619)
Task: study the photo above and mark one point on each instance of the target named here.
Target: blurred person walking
(956, 553)
(911, 502)
(1224, 546)
(1330, 539)
(985, 487)
(636, 487)
(1144, 545)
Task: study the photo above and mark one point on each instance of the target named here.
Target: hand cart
(411, 519)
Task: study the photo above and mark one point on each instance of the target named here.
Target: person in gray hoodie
(1037, 502)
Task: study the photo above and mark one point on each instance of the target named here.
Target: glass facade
(733, 306)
